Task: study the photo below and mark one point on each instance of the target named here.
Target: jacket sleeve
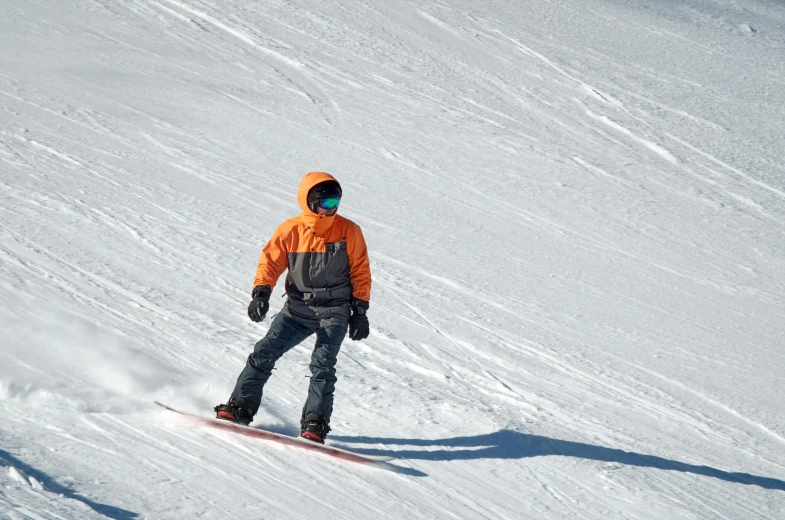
(273, 260)
(359, 266)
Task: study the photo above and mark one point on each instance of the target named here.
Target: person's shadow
(507, 444)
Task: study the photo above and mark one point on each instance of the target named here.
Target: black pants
(284, 334)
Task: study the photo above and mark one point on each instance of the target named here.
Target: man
(328, 288)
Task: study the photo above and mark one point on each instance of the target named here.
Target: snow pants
(285, 333)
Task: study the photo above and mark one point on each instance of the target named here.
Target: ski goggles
(329, 202)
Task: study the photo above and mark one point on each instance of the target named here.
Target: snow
(576, 218)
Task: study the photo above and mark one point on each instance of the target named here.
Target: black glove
(260, 303)
(358, 323)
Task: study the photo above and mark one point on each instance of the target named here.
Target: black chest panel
(316, 272)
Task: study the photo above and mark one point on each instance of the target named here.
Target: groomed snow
(576, 217)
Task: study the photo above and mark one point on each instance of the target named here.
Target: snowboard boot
(314, 428)
(234, 411)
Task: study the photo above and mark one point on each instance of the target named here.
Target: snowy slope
(576, 216)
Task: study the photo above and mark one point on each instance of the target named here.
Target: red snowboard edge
(283, 439)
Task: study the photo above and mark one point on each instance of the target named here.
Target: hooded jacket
(327, 261)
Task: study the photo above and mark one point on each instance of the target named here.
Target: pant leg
(285, 332)
(323, 360)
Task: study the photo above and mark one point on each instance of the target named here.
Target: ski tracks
(291, 70)
(599, 380)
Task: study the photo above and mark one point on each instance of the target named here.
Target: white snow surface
(575, 211)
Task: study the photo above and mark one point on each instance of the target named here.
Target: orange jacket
(326, 256)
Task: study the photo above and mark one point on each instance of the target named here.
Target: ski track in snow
(574, 214)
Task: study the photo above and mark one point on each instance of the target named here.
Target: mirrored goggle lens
(330, 203)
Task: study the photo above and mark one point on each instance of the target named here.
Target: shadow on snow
(50, 485)
(294, 432)
(507, 444)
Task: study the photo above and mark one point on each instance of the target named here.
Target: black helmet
(328, 191)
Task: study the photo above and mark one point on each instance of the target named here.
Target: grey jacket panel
(319, 286)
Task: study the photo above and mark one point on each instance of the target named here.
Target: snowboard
(280, 438)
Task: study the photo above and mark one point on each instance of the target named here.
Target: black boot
(314, 428)
(234, 411)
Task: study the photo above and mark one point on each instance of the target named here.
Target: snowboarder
(328, 287)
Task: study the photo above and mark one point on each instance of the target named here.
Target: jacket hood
(320, 223)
